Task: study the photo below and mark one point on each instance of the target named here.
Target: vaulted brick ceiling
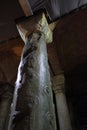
(11, 10)
(70, 38)
(70, 35)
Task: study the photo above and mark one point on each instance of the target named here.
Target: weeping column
(62, 108)
(33, 107)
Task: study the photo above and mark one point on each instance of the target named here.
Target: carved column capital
(58, 83)
(36, 23)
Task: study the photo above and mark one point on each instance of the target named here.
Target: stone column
(62, 109)
(6, 95)
(33, 107)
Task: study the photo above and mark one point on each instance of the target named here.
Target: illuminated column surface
(62, 109)
(33, 107)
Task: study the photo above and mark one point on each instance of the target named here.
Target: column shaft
(34, 109)
(6, 94)
(62, 108)
(63, 113)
